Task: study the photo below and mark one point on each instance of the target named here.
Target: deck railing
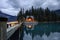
(12, 31)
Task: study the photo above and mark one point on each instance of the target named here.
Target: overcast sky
(12, 7)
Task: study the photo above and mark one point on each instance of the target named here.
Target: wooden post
(3, 27)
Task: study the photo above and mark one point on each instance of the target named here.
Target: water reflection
(27, 36)
(30, 25)
(52, 36)
(43, 31)
(37, 37)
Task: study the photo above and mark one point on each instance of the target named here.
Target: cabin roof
(3, 19)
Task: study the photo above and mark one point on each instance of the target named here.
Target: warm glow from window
(30, 19)
(30, 26)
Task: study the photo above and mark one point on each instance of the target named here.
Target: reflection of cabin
(29, 19)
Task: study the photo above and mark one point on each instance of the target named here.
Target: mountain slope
(10, 18)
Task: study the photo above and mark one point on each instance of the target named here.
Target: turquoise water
(44, 28)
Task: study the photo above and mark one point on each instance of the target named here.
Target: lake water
(43, 31)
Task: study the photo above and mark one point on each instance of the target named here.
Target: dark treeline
(39, 14)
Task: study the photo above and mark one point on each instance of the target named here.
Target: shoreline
(50, 22)
(43, 22)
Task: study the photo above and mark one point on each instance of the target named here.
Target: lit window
(30, 19)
